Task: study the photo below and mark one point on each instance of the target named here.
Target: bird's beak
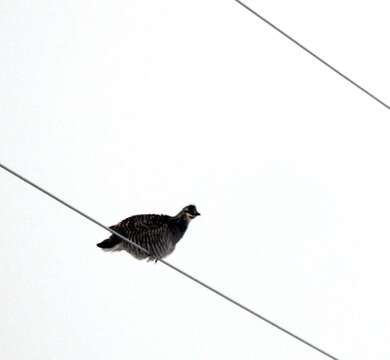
(197, 214)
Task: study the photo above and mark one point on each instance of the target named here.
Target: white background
(128, 107)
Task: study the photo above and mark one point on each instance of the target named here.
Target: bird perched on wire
(157, 234)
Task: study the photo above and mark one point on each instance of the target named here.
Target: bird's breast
(177, 229)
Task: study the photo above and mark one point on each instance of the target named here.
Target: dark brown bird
(157, 234)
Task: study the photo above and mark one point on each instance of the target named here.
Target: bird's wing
(139, 224)
(146, 231)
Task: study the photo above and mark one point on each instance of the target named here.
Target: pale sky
(128, 107)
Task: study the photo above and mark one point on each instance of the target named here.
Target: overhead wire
(296, 42)
(199, 282)
(180, 271)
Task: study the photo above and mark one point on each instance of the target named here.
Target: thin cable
(312, 53)
(215, 291)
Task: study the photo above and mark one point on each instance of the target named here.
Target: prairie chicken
(158, 234)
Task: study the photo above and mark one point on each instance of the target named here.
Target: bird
(157, 234)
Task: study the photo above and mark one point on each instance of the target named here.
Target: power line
(312, 54)
(215, 291)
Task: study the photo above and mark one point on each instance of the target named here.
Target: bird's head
(189, 212)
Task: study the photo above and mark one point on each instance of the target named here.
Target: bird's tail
(110, 244)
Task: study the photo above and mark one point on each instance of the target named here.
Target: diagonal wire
(313, 54)
(215, 291)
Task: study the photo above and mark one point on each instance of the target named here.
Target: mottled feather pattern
(147, 231)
